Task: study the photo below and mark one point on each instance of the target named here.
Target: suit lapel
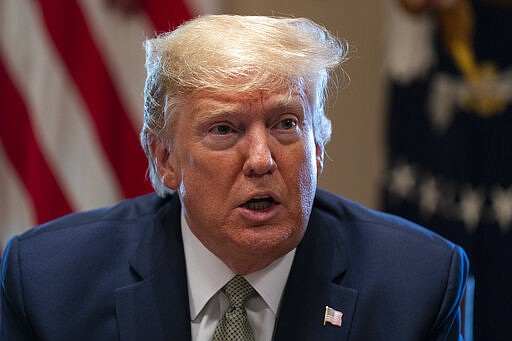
(317, 280)
(156, 307)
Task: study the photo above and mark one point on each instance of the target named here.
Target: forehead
(204, 101)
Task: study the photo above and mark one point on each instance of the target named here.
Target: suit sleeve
(14, 324)
(447, 326)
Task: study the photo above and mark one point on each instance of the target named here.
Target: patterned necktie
(234, 325)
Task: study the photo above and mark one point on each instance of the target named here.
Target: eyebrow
(293, 101)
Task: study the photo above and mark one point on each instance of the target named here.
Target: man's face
(245, 167)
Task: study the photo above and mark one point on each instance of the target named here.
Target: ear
(319, 159)
(165, 163)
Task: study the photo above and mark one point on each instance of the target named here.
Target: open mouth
(260, 203)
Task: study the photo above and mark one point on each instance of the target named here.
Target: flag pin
(333, 316)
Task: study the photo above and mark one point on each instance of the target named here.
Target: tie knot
(238, 291)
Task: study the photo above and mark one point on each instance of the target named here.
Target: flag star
(402, 180)
(502, 207)
(470, 209)
(429, 196)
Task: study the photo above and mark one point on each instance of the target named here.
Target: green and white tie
(234, 325)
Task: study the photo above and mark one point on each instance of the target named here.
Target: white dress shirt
(207, 274)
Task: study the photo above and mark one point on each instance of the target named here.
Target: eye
(221, 129)
(287, 123)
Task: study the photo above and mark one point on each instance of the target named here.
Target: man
(234, 132)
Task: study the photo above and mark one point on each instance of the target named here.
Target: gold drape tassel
(457, 28)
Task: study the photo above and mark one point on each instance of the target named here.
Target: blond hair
(230, 53)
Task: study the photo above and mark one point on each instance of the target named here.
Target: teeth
(258, 205)
(260, 202)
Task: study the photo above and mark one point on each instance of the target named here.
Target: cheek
(201, 199)
(302, 176)
(307, 186)
(207, 175)
(309, 169)
(309, 175)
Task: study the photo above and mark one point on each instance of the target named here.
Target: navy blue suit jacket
(119, 274)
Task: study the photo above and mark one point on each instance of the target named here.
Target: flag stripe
(164, 16)
(56, 110)
(67, 27)
(71, 89)
(18, 211)
(26, 156)
(110, 29)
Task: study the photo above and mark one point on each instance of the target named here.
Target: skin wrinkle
(227, 125)
(257, 156)
(226, 53)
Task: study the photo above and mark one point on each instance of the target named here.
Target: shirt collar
(207, 274)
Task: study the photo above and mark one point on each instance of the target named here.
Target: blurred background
(422, 128)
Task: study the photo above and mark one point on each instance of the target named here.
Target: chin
(269, 240)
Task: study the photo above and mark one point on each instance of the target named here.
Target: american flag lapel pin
(333, 316)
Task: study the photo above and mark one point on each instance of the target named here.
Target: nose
(259, 160)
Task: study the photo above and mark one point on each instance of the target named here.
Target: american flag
(333, 316)
(71, 81)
